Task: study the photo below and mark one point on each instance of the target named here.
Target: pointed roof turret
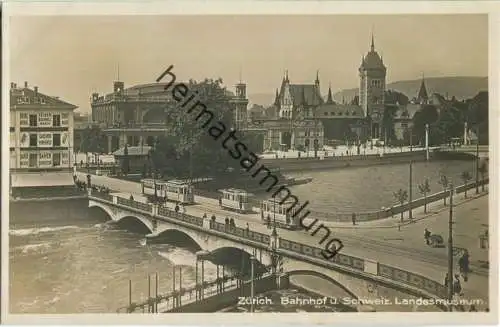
(329, 100)
(373, 44)
(277, 99)
(317, 77)
(286, 76)
(422, 93)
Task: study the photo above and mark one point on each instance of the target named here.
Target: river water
(65, 258)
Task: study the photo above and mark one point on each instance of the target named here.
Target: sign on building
(45, 119)
(45, 139)
(45, 159)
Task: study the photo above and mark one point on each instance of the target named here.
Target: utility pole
(410, 211)
(477, 161)
(252, 289)
(427, 142)
(450, 250)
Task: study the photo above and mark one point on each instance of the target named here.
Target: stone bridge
(358, 277)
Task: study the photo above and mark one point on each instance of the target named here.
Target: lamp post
(477, 160)
(410, 212)
(450, 250)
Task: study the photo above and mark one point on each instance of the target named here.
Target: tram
(179, 191)
(235, 199)
(148, 187)
(174, 190)
(273, 211)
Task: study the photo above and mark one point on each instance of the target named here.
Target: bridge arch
(175, 233)
(322, 276)
(104, 208)
(142, 220)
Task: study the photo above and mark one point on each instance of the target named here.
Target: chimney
(12, 85)
(15, 85)
(36, 89)
(26, 84)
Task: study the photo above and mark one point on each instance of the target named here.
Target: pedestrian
(457, 287)
(353, 218)
(268, 222)
(446, 279)
(131, 197)
(226, 221)
(427, 236)
(464, 265)
(248, 228)
(220, 202)
(176, 208)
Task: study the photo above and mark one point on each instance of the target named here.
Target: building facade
(41, 131)
(136, 115)
(300, 118)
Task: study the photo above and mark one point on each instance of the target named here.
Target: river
(65, 258)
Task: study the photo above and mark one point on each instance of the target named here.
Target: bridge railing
(412, 279)
(241, 232)
(101, 195)
(355, 263)
(165, 212)
(135, 204)
(317, 253)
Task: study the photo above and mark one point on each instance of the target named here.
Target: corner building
(41, 138)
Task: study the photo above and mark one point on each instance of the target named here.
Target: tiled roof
(407, 112)
(339, 111)
(307, 94)
(25, 97)
(372, 60)
(133, 151)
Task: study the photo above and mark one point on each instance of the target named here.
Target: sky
(73, 56)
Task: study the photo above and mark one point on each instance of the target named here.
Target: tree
(424, 189)
(187, 149)
(401, 196)
(444, 182)
(427, 115)
(466, 177)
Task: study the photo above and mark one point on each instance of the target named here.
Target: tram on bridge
(235, 199)
(272, 212)
(173, 190)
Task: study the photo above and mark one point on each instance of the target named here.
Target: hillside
(460, 87)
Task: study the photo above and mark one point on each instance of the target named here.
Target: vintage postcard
(222, 162)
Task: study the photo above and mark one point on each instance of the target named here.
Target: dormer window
(42, 100)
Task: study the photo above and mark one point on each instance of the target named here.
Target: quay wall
(228, 298)
(311, 163)
(394, 210)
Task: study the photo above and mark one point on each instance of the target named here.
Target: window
(33, 160)
(33, 140)
(56, 140)
(33, 121)
(56, 159)
(56, 120)
(42, 100)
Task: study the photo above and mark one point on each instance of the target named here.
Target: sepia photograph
(247, 164)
